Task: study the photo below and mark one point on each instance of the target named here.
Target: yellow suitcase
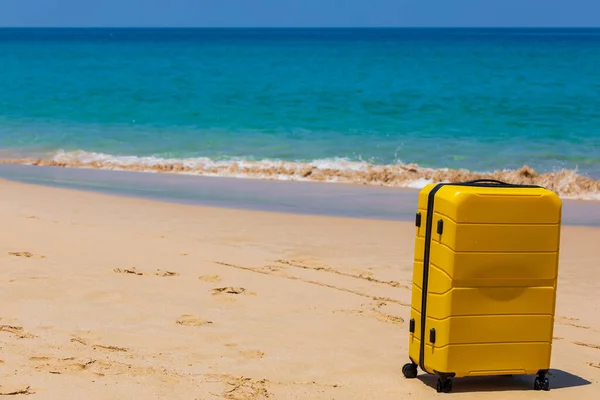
(484, 281)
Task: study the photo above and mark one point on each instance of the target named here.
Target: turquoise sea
(240, 102)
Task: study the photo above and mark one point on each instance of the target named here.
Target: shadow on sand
(558, 380)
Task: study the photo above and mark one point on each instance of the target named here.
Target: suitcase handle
(498, 183)
(487, 180)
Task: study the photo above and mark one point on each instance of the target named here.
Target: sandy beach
(106, 297)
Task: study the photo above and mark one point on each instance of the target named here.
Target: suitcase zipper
(428, 227)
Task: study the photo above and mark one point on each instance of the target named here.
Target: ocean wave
(567, 183)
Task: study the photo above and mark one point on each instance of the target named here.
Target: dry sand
(105, 297)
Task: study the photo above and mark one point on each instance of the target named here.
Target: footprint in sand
(131, 271)
(224, 291)
(191, 320)
(166, 273)
(595, 365)
(97, 367)
(18, 331)
(228, 290)
(59, 366)
(242, 388)
(210, 278)
(25, 254)
(252, 354)
(134, 271)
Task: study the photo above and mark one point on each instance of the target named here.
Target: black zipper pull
(440, 226)
(432, 335)
(411, 325)
(418, 221)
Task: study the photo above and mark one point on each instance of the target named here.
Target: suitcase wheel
(541, 383)
(444, 386)
(409, 370)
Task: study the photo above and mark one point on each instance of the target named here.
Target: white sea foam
(419, 183)
(568, 184)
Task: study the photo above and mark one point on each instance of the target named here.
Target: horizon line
(297, 27)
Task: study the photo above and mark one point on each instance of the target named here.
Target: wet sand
(567, 183)
(113, 297)
(306, 198)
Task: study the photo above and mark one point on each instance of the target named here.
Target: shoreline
(292, 197)
(568, 184)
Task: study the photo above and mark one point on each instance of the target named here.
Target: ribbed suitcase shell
(484, 280)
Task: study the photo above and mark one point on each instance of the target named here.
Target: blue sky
(293, 13)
